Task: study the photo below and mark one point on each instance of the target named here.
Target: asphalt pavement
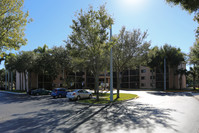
(152, 112)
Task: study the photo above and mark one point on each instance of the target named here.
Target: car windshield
(54, 90)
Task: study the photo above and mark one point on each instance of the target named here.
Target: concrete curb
(15, 93)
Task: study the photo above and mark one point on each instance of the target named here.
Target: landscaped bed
(104, 98)
(18, 91)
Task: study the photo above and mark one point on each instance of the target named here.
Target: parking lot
(153, 112)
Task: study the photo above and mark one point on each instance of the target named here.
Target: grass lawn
(15, 91)
(105, 98)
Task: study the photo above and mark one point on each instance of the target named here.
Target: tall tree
(24, 64)
(130, 50)
(194, 53)
(88, 41)
(10, 64)
(194, 71)
(12, 25)
(2, 77)
(173, 56)
(154, 60)
(63, 61)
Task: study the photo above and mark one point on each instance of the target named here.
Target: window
(61, 78)
(61, 85)
(152, 77)
(143, 78)
(142, 84)
(152, 84)
(143, 71)
(81, 91)
(152, 70)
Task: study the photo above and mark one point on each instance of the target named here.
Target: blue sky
(164, 23)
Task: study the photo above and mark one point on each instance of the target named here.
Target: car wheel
(90, 96)
(78, 97)
(60, 96)
(37, 94)
(54, 96)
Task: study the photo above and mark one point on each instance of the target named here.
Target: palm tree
(42, 51)
(193, 72)
(153, 61)
(174, 57)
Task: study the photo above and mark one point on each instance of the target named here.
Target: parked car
(40, 91)
(79, 94)
(59, 92)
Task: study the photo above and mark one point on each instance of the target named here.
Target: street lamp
(111, 69)
(165, 78)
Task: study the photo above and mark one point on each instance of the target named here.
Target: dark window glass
(143, 71)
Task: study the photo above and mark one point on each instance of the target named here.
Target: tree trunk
(118, 83)
(97, 86)
(43, 80)
(105, 80)
(194, 83)
(152, 78)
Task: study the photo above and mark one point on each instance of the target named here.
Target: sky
(164, 22)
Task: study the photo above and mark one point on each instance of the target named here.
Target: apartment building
(142, 77)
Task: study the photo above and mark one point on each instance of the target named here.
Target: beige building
(142, 77)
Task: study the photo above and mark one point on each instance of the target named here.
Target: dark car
(40, 91)
(59, 92)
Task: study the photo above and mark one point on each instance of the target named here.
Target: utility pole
(111, 69)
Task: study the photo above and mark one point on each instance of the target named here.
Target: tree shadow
(14, 98)
(86, 118)
(158, 93)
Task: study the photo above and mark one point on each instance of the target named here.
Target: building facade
(142, 77)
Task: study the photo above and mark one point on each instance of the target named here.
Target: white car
(78, 94)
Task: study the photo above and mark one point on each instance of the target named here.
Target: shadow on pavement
(170, 93)
(14, 98)
(87, 118)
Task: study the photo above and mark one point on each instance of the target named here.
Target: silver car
(78, 94)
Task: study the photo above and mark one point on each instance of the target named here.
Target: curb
(15, 93)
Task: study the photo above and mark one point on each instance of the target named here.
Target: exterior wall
(130, 79)
(58, 82)
(182, 66)
(34, 80)
(146, 77)
(20, 81)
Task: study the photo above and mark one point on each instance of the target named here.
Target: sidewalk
(10, 92)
